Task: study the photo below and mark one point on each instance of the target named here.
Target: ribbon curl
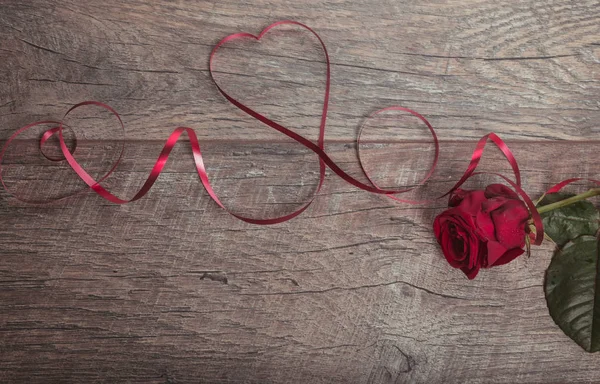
(318, 149)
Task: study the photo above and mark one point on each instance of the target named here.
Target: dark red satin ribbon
(324, 159)
(47, 135)
(562, 184)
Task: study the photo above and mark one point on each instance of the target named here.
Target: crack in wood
(366, 286)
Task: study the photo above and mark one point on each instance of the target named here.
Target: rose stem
(570, 200)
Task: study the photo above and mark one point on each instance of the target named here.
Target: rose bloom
(482, 229)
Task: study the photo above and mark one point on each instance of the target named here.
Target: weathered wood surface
(523, 68)
(171, 289)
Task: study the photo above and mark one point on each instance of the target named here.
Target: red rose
(482, 229)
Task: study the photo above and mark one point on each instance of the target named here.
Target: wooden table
(171, 289)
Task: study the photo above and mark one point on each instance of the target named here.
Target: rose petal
(459, 244)
(455, 231)
(448, 251)
(471, 272)
(485, 225)
(471, 202)
(510, 221)
(446, 240)
(509, 256)
(500, 190)
(495, 251)
(437, 226)
(458, 258)
(494, 203)
(474, 260)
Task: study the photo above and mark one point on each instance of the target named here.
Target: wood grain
(522, 68)
(171, 289)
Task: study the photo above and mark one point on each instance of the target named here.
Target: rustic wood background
(172, 289)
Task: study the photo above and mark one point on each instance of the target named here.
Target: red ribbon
(318, 148)
(562, 184)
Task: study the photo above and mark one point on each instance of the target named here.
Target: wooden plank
(526, 69)
(172, 289)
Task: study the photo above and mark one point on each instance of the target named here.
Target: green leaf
(573, 293)
(567, 223)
